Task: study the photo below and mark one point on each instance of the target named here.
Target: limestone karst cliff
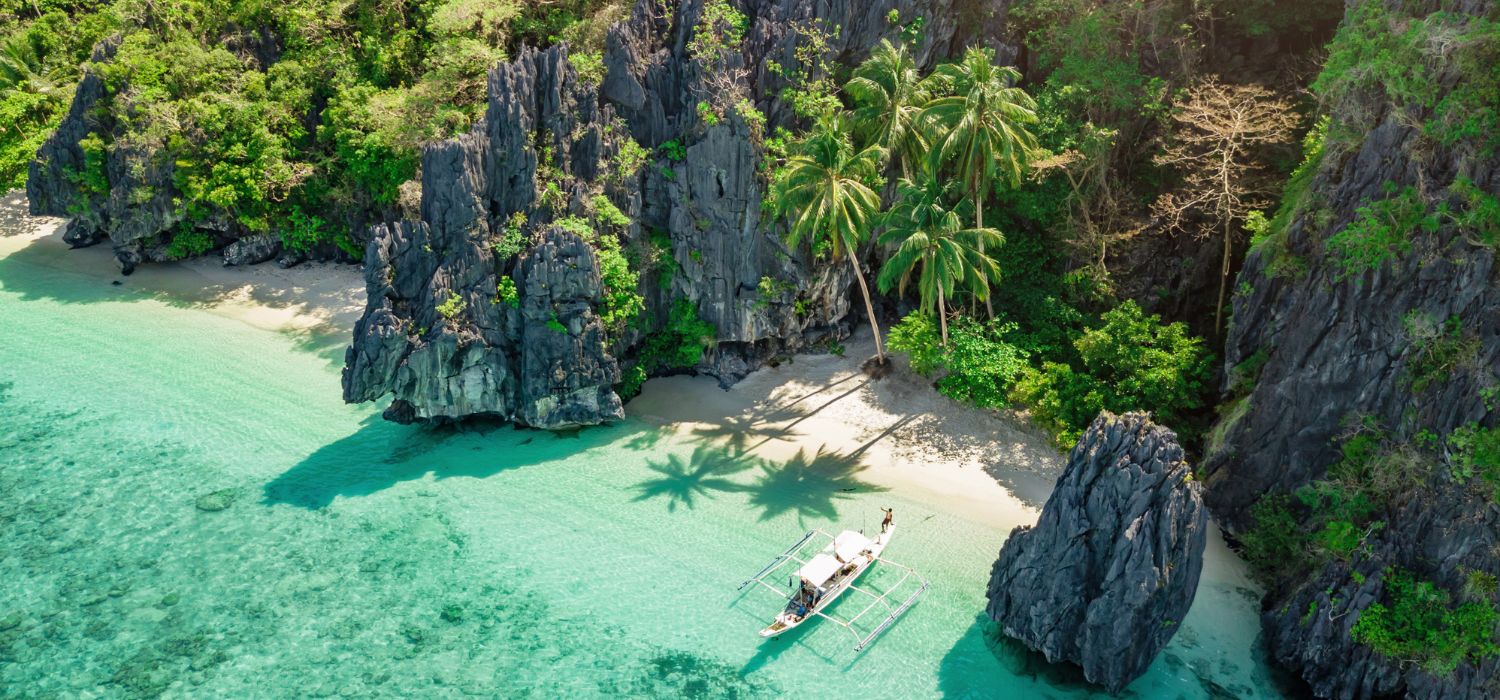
(1361, 366)
(694, 207)
(1112, 565)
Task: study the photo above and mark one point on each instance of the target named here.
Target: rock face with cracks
(1110, 569)
(553, 145)
(1406, 348)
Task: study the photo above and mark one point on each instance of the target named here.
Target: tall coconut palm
(23, 69)
(981, 128)
(823, 190)
(930, 236)
(888, 95)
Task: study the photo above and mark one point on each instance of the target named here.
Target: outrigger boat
(824, 577)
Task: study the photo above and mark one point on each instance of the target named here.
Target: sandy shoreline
(310, 299)
(897, 433)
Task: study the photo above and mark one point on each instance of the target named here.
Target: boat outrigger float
(826, 575)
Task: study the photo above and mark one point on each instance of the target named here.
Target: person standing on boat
(890, 519)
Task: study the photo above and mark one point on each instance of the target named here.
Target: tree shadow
(747, 431)
(704, 473)
(14, 217)
(382, 454)
(809, 486)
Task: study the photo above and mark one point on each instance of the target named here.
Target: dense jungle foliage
(297, 117)
(990, 207)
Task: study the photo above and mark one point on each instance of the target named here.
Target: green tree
(981, 127)
(931, 236)
(823, 187)
(23, 69)
(888, 96)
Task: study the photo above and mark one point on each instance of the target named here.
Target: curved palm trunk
(869, 308)
(942, 315)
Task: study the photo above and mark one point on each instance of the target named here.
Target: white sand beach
(311, 298)
(985, 466)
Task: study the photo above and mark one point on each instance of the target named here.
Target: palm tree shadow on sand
(745, 432)
(705, 472)
(809, 485)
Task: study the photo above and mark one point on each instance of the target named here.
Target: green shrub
(1271, 235)
(451, 307)
(917, 335)
(631, 380)
(628, 161)
(1436, 351)
(512, 239)
(1416, 621)
(680, 344)
(1381, 231)
(980, 365)
(188, 242)
(1242, 377)
(1476, 452)
(720, 29)
(506, 292)
(1275, 545)
(590, 67)
(1131, 362)
(301, 232)
(622, 300)
(1479, 220)
(607, 213)
(674, 151)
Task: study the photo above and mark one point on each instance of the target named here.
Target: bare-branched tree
(1096, 218)
(1220, 130)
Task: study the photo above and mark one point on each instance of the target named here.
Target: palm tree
(981, 127)
(888, 94)
(23, 69)
(929, 235)
(823, 188)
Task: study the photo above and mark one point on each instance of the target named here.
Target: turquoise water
(187, 509)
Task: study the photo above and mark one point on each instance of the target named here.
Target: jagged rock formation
(1110, 569)
(1337, 350)
(546, 125)
(128, 197)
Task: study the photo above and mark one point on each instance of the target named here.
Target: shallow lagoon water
(187, 509)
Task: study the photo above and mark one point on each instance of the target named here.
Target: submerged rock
(1105, 577)
(216, 501)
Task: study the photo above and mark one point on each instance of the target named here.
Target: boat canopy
(822, 566)
(819, 569)
(849, 544)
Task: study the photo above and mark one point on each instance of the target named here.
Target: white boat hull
(794, 615)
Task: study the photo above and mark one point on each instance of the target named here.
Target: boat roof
(819, 569)
(849, 544)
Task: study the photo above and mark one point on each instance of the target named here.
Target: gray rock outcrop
(697, 210)
(1110, 569)
(251, 250)
(1317, 350)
